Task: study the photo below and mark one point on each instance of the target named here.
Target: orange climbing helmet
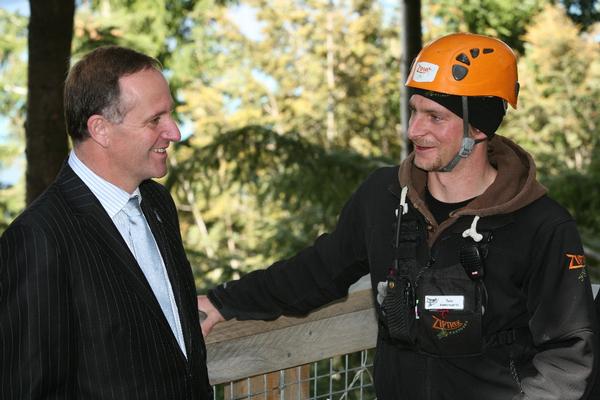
(467, 64)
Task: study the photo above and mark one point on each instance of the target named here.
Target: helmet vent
(474, 53)
(462, 57)
(459, 72)
(488, 51)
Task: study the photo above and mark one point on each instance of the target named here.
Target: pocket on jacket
(450, 313)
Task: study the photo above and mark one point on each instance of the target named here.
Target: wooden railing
(239, 349)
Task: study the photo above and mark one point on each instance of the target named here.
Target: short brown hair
(92, 86)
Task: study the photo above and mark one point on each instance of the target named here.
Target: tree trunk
(46, 144)
(411, 45)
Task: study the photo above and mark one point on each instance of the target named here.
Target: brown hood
(514, 188)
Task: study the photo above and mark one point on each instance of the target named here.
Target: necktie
(145, 250)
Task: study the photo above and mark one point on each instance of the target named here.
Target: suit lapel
(161, 235)
(87, 207)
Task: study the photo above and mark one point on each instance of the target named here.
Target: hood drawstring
(403, 201)
(472, 231)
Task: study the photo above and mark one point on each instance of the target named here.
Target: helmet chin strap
(467, 142)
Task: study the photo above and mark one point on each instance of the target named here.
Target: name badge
(444, 302)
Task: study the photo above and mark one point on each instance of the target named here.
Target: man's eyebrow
(426, 110)
(160, 113)
(434, 111)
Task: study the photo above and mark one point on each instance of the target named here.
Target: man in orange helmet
(479, 277)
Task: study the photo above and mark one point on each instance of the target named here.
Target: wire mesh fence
(346, 377)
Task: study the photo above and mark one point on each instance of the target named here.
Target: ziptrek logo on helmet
(425, 72)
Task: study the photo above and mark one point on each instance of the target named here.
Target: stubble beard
(429, 166)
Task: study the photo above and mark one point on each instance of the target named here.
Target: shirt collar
(111, 197)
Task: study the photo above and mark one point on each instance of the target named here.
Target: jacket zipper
(515, 374)
(416, 284)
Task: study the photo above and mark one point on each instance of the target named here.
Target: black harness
(406, 322)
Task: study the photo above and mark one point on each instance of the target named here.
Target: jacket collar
(515, 186)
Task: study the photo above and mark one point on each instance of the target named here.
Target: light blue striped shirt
(113, 199)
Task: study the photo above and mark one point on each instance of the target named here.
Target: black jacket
(534, 275)
(78, 319)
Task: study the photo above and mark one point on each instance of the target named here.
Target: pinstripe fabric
(113, 199)
(78, 319)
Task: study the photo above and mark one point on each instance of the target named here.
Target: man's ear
(99, 128)
(477, 134)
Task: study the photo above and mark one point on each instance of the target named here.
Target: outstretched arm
(209, 315)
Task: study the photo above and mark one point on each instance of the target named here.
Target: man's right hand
(213, 316)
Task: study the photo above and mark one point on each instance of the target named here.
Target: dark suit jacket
(78, 319)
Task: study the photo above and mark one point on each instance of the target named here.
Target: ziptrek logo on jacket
(447, 328)
(576, 261)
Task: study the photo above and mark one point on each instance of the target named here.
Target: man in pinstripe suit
(84, 314)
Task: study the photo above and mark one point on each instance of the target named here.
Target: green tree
(265, 195)
(319, 85)
(287, 123)
(585, 13)
(284, 81)
(559, 116)
(13, 42)
(504, 19)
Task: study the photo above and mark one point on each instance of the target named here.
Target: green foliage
(316, 91)
(558, 116)
(286, 124)
(13, 72)
(276, 166)
(11, 203)
(280, 80)
(268, 194)
(504, 19)
(13, 90)
(577, 192)
(583, 12)
(155, 27)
